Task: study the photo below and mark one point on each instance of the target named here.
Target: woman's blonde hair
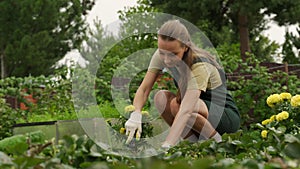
(175, 30)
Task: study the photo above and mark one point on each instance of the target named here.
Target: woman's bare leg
(165, 102)
(162, 101)
(198, 123)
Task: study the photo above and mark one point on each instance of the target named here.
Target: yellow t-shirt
(203, 75)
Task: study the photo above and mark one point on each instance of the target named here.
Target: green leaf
(69, 141)
(4, 159)
(173, 156)
(226, 162)
(85, 164)
(291, 138)
(282, 129)
(250, 163)
(14, 145)
(100, 165)
(236, 142)
(37, 136)
(292, 150)
(95, 154)
(260, 126)
(80, 141)
(278, 131)
(29, 162)
(272, 150)
(203, 163)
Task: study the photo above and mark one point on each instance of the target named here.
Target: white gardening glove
(132, 124)
(166, 145)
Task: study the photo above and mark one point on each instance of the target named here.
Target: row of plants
(271, 143)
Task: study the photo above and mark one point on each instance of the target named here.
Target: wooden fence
(290, 69)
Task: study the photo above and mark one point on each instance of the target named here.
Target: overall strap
(175, 75)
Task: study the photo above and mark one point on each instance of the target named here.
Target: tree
(110, 55)
(34, 35)
(243, 18)
(291, 48)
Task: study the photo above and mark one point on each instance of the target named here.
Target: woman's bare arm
(188, 105)
(144, 90)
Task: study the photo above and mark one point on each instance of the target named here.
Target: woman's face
(171, 52)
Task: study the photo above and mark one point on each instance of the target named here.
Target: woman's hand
(135, 121)
(132, 125)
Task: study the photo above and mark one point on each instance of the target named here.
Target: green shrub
(8, 118)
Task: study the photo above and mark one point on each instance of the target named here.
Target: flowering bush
(285, 108)
(295, 101)
(280, 132)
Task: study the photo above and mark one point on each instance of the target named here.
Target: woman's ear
(187, 46)
(186, 49)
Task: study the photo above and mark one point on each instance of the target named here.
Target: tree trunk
(3, 73)
(244, 36)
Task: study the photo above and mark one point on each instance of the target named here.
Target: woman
(202, 105)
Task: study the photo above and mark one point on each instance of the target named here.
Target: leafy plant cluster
(52, 95)
(244, 149)
(8, 118)
(282, 128)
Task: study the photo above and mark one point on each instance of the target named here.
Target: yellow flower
(278, 117)
(273, 99)
(285, 96)
(264, 134)
(295, 101)
(265, 122)
(285, 115)
(129, 108)
(122, 130)
(137, 136)
(145, 113)
(282, 116)
(272, 118)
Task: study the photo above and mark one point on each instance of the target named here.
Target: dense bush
(7, 120)
(52, 95)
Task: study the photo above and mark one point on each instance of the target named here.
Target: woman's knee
(174, 106)
(202, 109)
(162, 100)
